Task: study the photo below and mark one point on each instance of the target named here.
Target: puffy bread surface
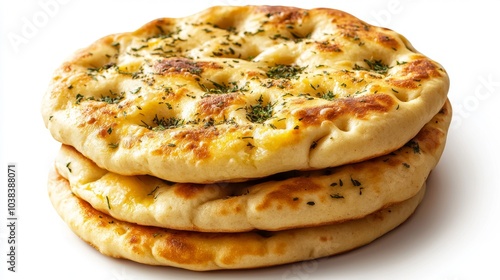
(283, 201)
(215, 251)
(233, 93)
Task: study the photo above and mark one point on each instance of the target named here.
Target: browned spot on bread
(91, 120)
(352, 27)
(290, 194)
(421, 69)
(328, 47)
(67, 67)
(194, 141)
(429, 139)
(358, 107)
(282, 14)
(103, 132)
(197, 135)
(280, 83)
(200, 150)
(181, 65)
(393, 160)
(134, 239)
(187, 191)
(254, 247)
(387, 41)
(177, 248)
(96, 113)
(232, 205)
(213, 105)
(379, 216)
(414, 72)
(405, 83)
(280, 248)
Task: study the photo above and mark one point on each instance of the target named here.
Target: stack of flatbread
(243, 137)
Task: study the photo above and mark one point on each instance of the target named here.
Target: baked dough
(215, 251)
(283, 201)
(233, 93)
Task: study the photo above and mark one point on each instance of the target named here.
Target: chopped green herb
(278, 36)
(114, 99)
(260, 112)
(253, 33)
(79, 98)
(329, 95)
(135, 91)
(337, 195)
(113, 145)
(67, 166)
(313, 145)
(414, 145)
(153, 191)
(107, 200)
(282, 71)
(221, 88)
(376, 66)
(208, 123)
(166, 123)
(355, 183)
(139, 48)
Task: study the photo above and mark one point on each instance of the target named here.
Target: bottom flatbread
(213, 251)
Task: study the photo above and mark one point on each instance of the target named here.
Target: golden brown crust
(282, 201)
(234, 93)
(214, 251)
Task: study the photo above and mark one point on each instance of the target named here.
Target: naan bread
(291, 200)
(213, 251)
(234, 93)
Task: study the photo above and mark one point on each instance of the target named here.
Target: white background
(453, 235)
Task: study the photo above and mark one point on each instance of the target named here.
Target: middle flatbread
(215, 251)
(284, 201)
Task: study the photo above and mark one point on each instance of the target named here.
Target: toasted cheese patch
(238, 93)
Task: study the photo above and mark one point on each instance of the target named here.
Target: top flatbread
(233, 93)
